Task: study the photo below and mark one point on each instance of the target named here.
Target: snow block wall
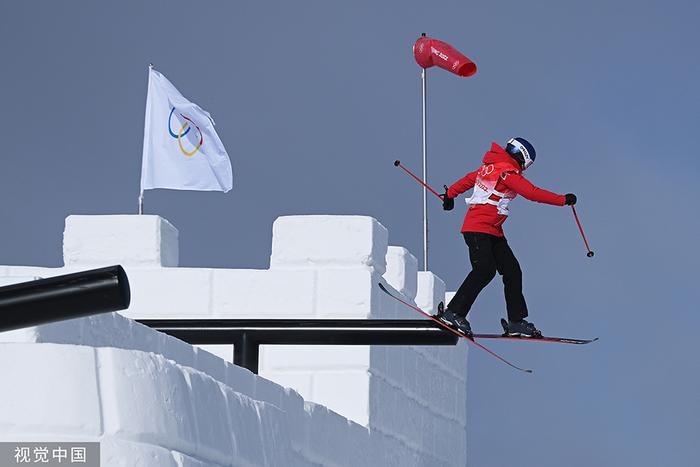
(388, 402)
(148, 410)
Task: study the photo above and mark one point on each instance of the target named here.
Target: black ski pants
(489, 254)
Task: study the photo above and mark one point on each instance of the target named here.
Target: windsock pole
(429, 52)
(425, 171)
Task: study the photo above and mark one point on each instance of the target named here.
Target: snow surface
(381, 405)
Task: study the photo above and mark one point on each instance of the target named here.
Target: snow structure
(152, 400)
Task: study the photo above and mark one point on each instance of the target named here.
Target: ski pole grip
(397, 163)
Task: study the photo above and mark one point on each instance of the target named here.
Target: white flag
(181, 149)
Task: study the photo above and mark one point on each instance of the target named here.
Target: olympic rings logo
(184, 129)
(486, 170)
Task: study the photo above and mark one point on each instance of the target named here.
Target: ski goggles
(518, 147)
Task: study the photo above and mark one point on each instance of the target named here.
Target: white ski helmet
(522, 151)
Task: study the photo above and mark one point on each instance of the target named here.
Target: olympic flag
(181, 150)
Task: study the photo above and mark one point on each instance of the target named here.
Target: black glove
(447, 203)
(570, 199)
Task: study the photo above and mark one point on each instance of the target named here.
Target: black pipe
(306, 331)
(64, 297)
(247, 335)
(246, 353)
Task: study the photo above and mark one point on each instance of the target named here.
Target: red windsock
(432, 52)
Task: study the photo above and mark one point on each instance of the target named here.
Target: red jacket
(485, 217)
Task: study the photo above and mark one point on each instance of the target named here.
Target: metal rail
(247, 335)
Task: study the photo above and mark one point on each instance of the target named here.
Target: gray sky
(315, 99)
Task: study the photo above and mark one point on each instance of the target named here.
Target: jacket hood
(498, 154)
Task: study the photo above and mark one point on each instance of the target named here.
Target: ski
(384, 289)
(559, 340)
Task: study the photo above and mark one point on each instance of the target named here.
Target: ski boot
(455, 321)
(520, 328)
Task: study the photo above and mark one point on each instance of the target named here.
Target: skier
(495, 184)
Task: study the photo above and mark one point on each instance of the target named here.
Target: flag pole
(150, 67)
(425, 172)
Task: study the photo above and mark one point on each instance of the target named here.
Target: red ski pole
(397, 163)
(590, 253)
